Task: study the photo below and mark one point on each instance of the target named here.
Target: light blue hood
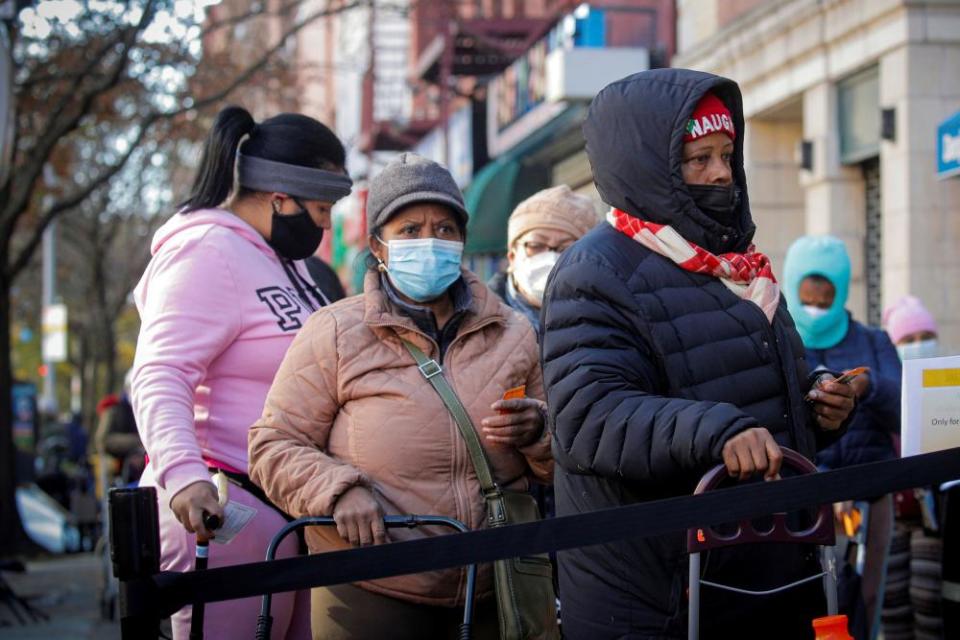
(823, 256)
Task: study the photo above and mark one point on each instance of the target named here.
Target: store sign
(522, 87)
(571, 63)
(517, 103)
(948, 147)
(55, 333)
(459, 144)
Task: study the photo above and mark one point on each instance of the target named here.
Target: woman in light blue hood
(824, 256)
(816, 285)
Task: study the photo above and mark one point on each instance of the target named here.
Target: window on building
(858, 104)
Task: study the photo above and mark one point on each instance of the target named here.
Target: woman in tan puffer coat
(352, 429)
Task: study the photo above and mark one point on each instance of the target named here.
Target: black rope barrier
(145, 595)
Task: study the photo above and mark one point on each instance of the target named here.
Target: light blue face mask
(423, 269)
(922, 349)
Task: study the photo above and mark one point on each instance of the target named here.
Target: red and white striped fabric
(749, 275)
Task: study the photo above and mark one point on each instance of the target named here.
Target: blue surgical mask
(922, 349)
(423, 269)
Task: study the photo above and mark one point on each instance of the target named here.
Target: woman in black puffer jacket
(667, 350)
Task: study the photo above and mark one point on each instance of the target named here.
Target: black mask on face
(719, 203)
(295, 236)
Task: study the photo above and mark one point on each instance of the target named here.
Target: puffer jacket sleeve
(882, 402)
(287, 445)
(603, 391)
(184, 327)
(538, 454)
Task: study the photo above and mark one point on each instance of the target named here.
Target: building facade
(523, 74)
(843, 99)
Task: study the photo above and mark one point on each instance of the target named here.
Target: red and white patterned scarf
(749, 275)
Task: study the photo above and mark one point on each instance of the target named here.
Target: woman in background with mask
(912, 329)
(220, 302)
(816, 284)
(351, 428)
(539, 230)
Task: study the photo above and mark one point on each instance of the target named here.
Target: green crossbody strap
(433, 372)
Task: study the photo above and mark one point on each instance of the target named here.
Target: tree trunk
(109, 355)
(13, 539)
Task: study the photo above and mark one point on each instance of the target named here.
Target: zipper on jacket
(462, 463)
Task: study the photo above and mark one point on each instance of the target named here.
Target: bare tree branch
(12, 211)
(258, 11)
(250, 71)
(39, 155)
(22, 259)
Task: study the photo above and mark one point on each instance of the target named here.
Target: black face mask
(717, 202)
(295, 236)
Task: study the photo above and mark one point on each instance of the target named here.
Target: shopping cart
(265, 621)
(821, 533)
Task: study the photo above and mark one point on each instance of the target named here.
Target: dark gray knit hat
(410, 179)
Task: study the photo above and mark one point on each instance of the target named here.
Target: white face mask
(815, 312)
(530, 273)
(922, 349)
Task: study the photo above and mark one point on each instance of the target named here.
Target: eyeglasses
(533, 248)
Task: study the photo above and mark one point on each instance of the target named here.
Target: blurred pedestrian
(816, 284)
(352, 429)
(220, 302)
(914, 331)
(667, 349)
(117, 437)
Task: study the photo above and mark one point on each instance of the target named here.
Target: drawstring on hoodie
(303, 286)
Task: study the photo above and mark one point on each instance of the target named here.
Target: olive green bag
(526, 604)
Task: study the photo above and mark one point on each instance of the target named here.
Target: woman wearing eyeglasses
(540, 228)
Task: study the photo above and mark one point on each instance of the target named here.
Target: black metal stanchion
(135, 552)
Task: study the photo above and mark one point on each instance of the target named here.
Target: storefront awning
(503, 183)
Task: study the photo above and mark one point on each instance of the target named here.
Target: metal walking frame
(821, 533)
(265, 620)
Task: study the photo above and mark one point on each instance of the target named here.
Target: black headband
(260, 174)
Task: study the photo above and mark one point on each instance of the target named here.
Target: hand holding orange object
(515, 393)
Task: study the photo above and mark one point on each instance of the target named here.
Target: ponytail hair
(290, 138)
(214, 181)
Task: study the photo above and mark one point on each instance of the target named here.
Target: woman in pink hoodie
(220, 302)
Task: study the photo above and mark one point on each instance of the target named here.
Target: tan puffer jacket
(349, 406)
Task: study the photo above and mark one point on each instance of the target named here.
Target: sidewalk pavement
(66, 588)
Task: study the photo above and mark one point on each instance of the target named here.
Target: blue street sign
(948, 147)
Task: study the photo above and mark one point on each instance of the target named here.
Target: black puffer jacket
(650, 369)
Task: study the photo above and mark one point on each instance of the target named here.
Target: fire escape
(457, 44)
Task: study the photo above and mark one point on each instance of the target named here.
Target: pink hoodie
(217, 315)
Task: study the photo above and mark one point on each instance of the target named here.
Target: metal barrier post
(829, 563)
(693, 604)
(135, 553)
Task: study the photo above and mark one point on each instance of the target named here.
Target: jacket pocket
(534, 566)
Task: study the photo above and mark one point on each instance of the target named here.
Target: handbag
(526, 603)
